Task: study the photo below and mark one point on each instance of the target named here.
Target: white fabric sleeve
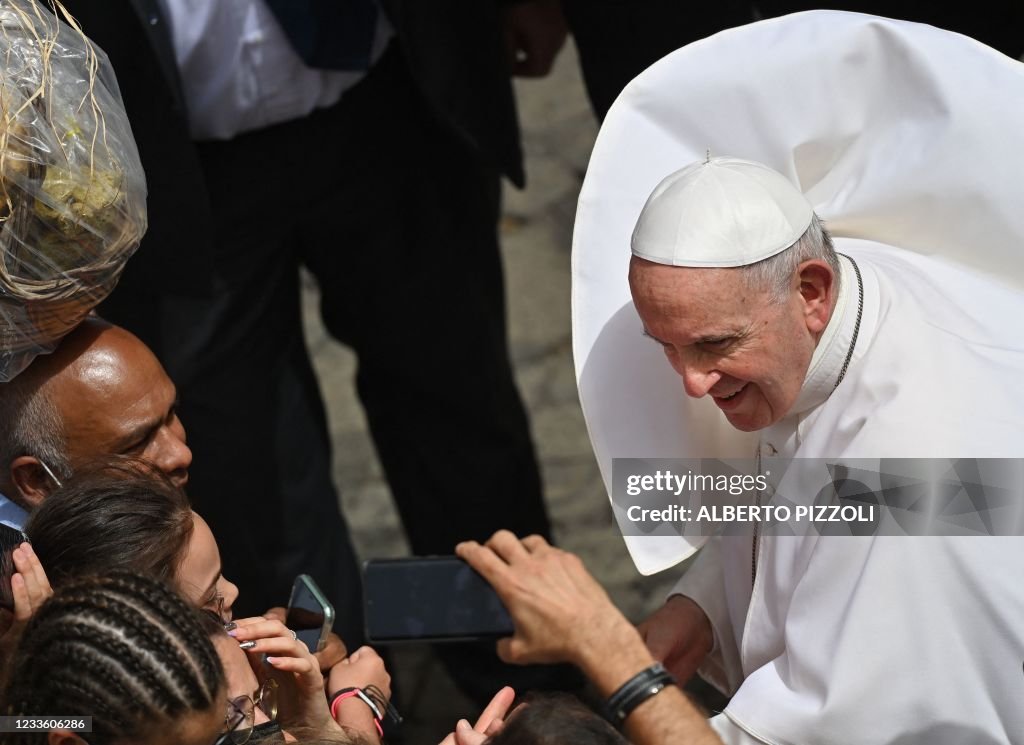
(731, 734)
(704, 583)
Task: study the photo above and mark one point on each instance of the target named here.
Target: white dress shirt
(239, 71)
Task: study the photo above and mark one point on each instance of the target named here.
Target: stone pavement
(558, 132)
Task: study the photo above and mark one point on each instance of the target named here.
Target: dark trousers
(396, 217)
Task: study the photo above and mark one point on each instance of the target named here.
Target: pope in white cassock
(906, 342)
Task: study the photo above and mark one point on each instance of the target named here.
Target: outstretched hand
(489, 723)
(560, 612)
(679, 635)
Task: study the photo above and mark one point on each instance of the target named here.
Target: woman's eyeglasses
(240, 715)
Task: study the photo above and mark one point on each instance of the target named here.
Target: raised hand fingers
(535, 544)
(258, 627)
(496, 709)
(360, 669)
(282, 646)
(484, 560)
(277, 613)
(505, 544)
(33, 588)
(332, 653)
(466, 735)
(22, 602)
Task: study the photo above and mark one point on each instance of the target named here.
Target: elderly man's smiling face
(731, 342)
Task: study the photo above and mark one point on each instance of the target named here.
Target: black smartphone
(430, 598)
(10, 539)
(310, 616)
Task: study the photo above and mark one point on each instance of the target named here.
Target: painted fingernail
(247, 645)
(273, 660)
(233, 631)
(230, 626)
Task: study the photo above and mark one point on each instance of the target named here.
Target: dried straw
(43, 296)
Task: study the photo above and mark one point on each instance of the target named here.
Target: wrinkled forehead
(684, 302)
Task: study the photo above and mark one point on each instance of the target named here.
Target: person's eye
(717, 345)
(135, 448)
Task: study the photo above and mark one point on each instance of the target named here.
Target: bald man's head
(101, 392)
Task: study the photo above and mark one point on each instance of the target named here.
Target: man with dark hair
(103, 392)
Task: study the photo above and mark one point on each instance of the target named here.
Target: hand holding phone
(300, 686)
(434, 598)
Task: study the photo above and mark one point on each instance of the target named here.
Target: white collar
(834, 345)
(11, 514)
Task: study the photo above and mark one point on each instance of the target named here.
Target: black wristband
(646, 683)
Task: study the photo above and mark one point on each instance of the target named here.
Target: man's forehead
(117, 382)
(677, 285)
(690, 304)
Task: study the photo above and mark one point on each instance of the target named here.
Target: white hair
(31, 425)
(775, 273)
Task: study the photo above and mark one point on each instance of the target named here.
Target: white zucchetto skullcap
(720, 212)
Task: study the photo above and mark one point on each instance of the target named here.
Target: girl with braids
(120, 514)
(124, 650)
(308, 716)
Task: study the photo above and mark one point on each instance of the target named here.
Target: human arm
(361, 669)
(678, 635)
(561, 614)
(301, 700)
(334, 650)
(29, 589)
(716, 658)
(489, 722)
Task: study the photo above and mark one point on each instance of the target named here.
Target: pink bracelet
(355, 693)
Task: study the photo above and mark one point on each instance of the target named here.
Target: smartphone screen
(10, 539)
(437, 598)
(310, 616)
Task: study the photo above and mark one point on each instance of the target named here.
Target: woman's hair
(555, 719)
(123, 649)
(113, 514)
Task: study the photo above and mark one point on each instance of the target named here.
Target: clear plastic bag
(72, 190)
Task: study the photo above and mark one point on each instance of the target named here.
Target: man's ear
(32, 484)
(64, 737)
(817, 289)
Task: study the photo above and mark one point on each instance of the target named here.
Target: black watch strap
(646, 683)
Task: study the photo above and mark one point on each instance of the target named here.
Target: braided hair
(123, 649)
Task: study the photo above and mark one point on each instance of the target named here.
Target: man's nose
(181, 461)
(697, 381)
(176, 456)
